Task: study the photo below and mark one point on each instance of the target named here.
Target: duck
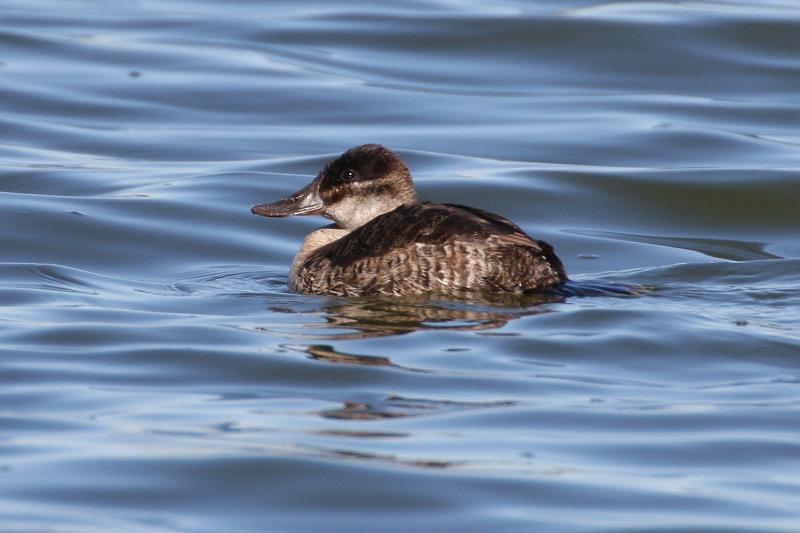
(385, 242)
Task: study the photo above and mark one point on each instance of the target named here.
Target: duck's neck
(316, 240)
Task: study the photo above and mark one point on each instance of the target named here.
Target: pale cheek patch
(361, 201)
(351, 213)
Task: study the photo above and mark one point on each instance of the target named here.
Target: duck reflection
(387, 459)
(328, 354)
(323, 352)
(363, 411)
(353, 318)
(381, 408)
(375, 317)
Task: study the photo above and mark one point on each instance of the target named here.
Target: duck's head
(362, 183)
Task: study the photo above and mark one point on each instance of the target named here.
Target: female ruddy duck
(385, 242)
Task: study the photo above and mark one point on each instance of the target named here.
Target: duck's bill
(304, 202)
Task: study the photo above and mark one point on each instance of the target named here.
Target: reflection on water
(396, 406)
(323, 352)
(387, 459)
(374, 317)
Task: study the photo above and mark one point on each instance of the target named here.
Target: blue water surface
(159, 376)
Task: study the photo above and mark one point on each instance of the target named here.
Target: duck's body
(384, 242)
(425, 248)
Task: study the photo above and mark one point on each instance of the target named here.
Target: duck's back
(430, 248)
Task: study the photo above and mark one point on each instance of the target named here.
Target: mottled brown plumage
(385, 242)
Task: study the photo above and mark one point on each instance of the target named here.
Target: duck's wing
(500, 228)
(503, 232)
(425, 223)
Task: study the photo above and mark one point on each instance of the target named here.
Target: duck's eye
(349, 175)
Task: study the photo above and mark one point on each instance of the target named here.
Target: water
(159, 376)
